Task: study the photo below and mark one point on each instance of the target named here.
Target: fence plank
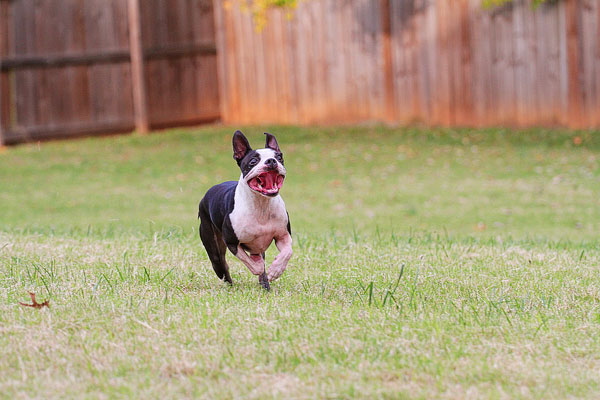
(4, 51)
(464, 65)
(388, 72)
(4, 107)
(481, 34)
(222, 60)
(432, 63)
(520, 64)
(142, 124)
(443, 114)
(574, 60)
(597, 68)
(588, 44)
(547, 73)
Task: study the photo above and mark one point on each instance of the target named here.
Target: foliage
(259, 8)
(498, 3)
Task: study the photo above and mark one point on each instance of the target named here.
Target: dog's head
(262, 169)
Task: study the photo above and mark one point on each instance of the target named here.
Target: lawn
(428, 264)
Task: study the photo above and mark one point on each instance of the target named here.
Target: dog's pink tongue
(270, 179)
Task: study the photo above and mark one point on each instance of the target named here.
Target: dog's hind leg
(215, 247)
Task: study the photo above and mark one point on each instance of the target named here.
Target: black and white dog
(247, 215)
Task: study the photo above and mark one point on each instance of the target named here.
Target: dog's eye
(279, 157)
(253, 162)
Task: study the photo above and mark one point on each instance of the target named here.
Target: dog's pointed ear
(241, 147)
(272, 143)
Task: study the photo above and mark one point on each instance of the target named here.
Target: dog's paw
(274, 273)
(264, 281)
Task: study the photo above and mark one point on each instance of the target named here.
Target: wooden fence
(447, 62)
(67, 66)
(73, 66)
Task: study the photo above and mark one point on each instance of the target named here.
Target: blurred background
(75, 67)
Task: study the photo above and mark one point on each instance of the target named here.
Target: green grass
(428, 264)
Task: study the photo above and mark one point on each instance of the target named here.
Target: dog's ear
(272, 143)
(241, 147)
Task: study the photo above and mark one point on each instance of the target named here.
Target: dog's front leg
(284, 245)
(255, 263)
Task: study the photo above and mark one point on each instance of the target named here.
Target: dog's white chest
(257, 221)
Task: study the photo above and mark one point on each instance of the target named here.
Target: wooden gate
(66, 66)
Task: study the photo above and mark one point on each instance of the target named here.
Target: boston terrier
(247, 215)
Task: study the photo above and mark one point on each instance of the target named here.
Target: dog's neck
(258, 204)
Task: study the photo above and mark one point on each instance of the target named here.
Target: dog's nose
(271, 163)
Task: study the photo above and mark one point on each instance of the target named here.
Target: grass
(428, 264)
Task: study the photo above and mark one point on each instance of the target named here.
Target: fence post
(575, 114)
(1, 108)
(388, 70)
(138, 83)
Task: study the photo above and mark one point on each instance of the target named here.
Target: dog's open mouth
(267, 183)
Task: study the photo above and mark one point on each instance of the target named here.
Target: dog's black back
(219, 202)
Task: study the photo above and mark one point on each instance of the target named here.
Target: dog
(247, 215)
